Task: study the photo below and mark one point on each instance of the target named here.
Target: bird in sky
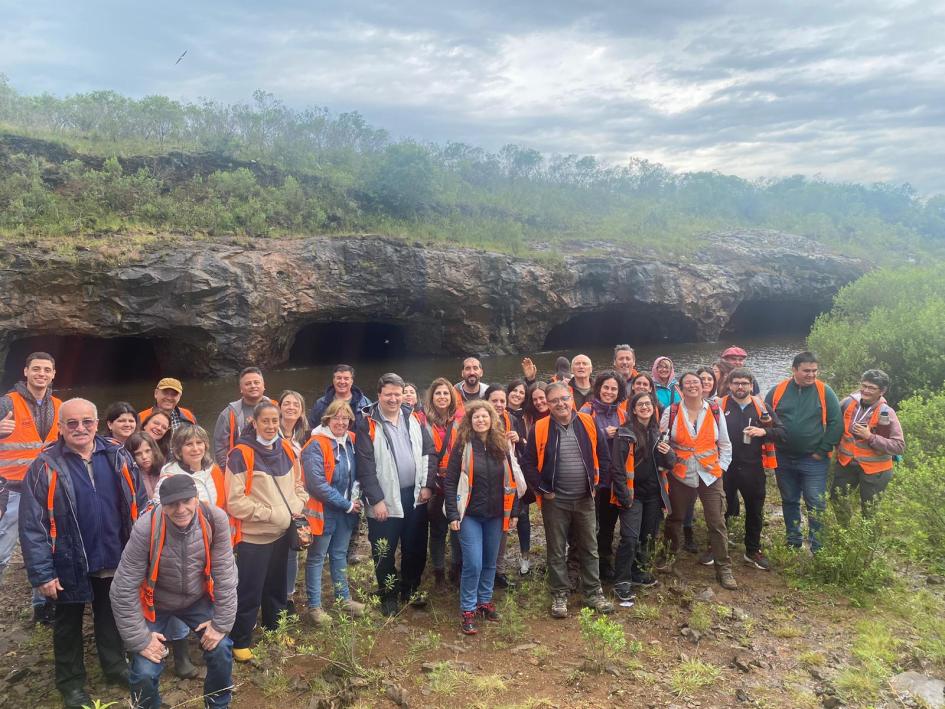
(180, 57)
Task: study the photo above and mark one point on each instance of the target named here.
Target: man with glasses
(747, 417)
(28, 421)
(80, 498)
(563, 460)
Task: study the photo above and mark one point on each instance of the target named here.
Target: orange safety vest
(541, 429)
(315, 508)
(852, 448)
(508, 490)
(52, 479)
(821, 393)
(158, 533)
(704, 447)
(450, 439)
(249, 458)
(630, 467)
(22, 446)
(185, 414)
(769, 458)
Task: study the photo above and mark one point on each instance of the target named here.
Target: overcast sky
(848, 90)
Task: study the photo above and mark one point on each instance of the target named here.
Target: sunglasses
(87, 424)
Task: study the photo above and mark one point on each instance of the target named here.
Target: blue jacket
(69, 562)
(343, 490)
(667, 395)
(358, 402)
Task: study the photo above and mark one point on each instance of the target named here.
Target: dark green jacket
(800, 414)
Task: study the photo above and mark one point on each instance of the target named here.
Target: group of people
(166, 530)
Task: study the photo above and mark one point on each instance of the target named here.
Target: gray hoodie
(180, 581)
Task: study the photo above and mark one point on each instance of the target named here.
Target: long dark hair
(645, 435)
(616, 376)
(433, 414)
(134, 442)
(715, 379)
(531, 415)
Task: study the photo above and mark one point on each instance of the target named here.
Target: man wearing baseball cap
(178, 563)
(167, 395)
(735, 357)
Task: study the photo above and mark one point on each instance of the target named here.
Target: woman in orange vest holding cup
(333, 508)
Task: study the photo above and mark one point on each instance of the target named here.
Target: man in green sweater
(810, 413)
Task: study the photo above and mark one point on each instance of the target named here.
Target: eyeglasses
(87, 424)
(643, 405)
(560, 400)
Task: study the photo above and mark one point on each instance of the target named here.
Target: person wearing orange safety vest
(264, 494)
(167, 396)
(563, 460)
(640, 490)
(481, 505)
(333, 508)
(233, 418)
(747, 415)
(872, 437)
(699, 436)
(79, 501)
(810, 413)
(29, 416)
(177, 567)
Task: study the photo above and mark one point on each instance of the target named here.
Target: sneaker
(707, 558)
(624, 594)
(559, 606)
(758, 560)
(242, 654)
(352, 608)
(488, 612)
(524, 566)
(600, 603)
(726, 579)
(468, 623)
(318, 617)
(642, 579)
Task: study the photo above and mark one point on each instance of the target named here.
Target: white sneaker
(525, 566)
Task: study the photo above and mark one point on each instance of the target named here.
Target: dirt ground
(688, 643)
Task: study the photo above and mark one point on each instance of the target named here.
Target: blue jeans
(144, 674)
(9, 536)
(479, 538)
(335, 545)
(292, 571)
(802, 476)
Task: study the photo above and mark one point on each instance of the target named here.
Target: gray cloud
(852, 91)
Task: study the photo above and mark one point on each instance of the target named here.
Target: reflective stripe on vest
(23, 445)
(158, 533)
(704, 447)
(852, 448)
(769, 458)
(508, 489)
(315, 508)
(821, 393)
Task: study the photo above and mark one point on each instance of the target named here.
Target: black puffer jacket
(488, 484)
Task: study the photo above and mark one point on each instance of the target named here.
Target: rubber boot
(183, 667)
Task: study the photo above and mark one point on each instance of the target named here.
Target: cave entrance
(82, 359)
(332, 342)
(616, 325)
(772, 317)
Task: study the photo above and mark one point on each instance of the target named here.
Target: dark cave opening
(616, 325)
(332, 342)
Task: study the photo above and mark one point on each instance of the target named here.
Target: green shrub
(603, 638)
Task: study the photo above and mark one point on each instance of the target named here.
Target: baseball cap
(171, 383)
(176, 488)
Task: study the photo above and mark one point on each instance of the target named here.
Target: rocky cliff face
(211, 308)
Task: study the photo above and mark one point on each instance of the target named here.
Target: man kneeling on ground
(178, 564)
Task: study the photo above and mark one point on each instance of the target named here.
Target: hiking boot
(468, 623)
(663, 564)
(624, 593)
(242, 654)
(439, 580)
(707, 558)
(76, 698)
(318, 617)
(725, 578)
(758, 560)
(600, 603)
(389, 606)
(183, 667)
(642, 579)
(689, 541)
(559, 605)
(488, 612)
(524, 566)
(352, 608)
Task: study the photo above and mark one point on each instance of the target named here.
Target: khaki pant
(681, 496)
